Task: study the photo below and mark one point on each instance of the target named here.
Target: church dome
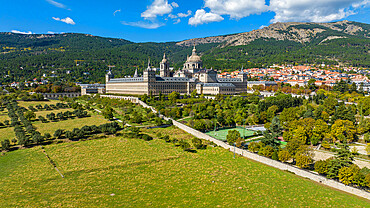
(194, 57)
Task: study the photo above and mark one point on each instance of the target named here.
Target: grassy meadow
(122, 172)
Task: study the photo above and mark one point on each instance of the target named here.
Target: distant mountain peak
(301, 32)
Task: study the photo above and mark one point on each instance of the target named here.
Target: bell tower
(164, 67)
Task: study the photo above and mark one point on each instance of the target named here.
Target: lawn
(26, 104)
(221, 134)
(121, 172)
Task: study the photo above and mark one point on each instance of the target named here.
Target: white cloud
(177, 21)
(361, 4)
(67, 20)
(118, 10)
(158, 8)
(146, 25)
(172, 16)
(184, 15)
(236, 9)
(20, 32)
(313, 10)
(201, 17)
(174, 5)
(57, 4)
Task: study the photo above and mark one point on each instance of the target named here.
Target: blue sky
(169, 20)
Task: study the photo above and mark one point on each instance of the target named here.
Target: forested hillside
(25, 57)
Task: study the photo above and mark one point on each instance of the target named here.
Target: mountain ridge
(275, 31)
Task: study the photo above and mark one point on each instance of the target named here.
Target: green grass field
(121, 172)
(221, 134)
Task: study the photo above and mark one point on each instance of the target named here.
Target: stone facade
(92, 89)
(184, 81)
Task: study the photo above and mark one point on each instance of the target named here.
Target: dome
(194, 57)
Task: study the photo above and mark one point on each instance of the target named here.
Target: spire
(148, 64)
(135, 75)
(164, 55)
(194, 50)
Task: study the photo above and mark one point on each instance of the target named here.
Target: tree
(321, 167)
(329, 105)
(193, 94)
(69, 135)
(37, 138)
(135, 131)
(184, 145)
(29, 115)
(284, 155)
(232, 136)
(47, 135)
(272, 133)
(173, 96)
(368, 148)
(346, 174)
(303, 160)
(5, 144)
(311, 84)
(60, 116)
(158, 121)
(319, 131)
(266, 151)
(58, 133)
(287, 116)
(343, 130)
(197, 143)
(108, 113)
(255, 146)
(51, 116)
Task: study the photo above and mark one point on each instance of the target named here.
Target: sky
(169, 20)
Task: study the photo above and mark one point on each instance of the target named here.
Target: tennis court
(222, 133)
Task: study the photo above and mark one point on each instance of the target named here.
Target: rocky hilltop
(291, 31)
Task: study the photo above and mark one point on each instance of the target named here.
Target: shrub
(146, 137)
(284, 155)
(198, 143)
(321, 167)
(275, 155)
(346, 174)
(184, 145)
(37, 138)
(58, 133)
(255, 146)
(266, 151)
(47, 135)
(303, 160)
(69, 135)
(5, 144)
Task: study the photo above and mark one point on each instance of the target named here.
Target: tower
(108, 76)
(164, 67)
(136, 75)
(149, 74)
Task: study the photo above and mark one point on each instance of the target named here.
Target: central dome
(194, 57)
